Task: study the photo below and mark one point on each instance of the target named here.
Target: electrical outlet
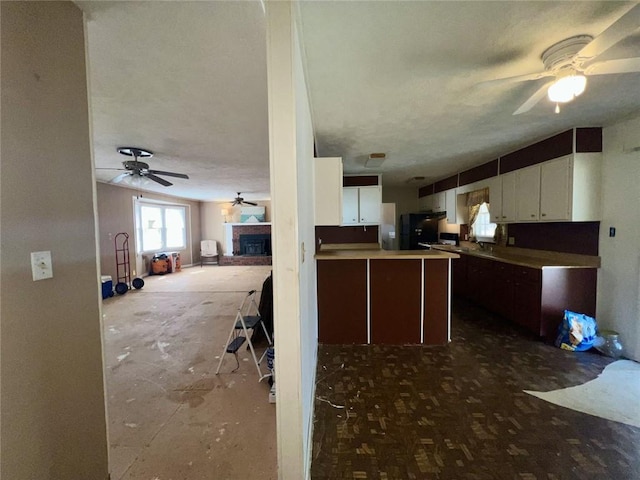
(512, 241)
(41, 267)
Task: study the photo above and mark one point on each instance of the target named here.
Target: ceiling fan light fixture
(567, 88)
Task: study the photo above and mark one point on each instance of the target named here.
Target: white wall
(306, 238)
(52, 392)
(295, 313)
(619, 276)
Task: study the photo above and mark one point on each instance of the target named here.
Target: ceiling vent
(419, 179)
(375, 160)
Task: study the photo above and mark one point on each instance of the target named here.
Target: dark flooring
(459, 412)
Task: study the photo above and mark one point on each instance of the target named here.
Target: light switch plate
(41, 267)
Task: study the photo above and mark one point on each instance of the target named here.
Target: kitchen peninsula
(372, 296)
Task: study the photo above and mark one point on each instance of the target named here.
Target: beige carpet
(614, 395)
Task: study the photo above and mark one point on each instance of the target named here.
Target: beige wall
(619, 276)
(115, 214)
(53, 419)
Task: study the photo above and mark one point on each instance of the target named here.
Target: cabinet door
(527, 298)
(508, 211)
(349, 205)
(370, 204)
(459, 276)
(425, 204)
(451, 205)
(439, 200)
(528, 194)
(495, 199)
(555, 190)
(503, 290)
(328, 190)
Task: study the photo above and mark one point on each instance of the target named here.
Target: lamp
(224, 212)
(566, 89)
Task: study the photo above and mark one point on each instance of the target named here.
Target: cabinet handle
(533, 215)
(504, 216)
(543, 214)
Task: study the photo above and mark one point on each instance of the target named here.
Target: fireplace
(255, 244)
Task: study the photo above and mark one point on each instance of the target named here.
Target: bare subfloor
(169, 415)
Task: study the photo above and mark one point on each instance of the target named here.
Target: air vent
(375, 160)
(418, 179)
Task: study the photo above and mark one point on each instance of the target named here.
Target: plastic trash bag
(577, 332)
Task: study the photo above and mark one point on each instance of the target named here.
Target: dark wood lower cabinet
(527, 288)
(534, 298)
(395, 301)
(384, 301)
(342, 301)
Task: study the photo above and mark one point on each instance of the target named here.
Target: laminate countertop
(526, 257)
(384, 254)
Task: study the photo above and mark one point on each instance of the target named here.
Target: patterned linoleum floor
(459, 412)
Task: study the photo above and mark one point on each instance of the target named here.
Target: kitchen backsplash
(567, 237)
(359, 234)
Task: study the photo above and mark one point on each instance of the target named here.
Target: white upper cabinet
(502, 198)
(508, 213)
(450, 205)
(555, 190)
(439, 202)
(565, 189)
(361, 205)
(350, 207)
(370, 204)
(328, 190)
(425, 204)
(528, 194)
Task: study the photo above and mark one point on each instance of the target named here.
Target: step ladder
(247, 318)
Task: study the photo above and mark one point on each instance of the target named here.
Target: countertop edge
(385, 255)
(528, 260)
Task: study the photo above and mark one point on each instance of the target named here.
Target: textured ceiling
(187, 80)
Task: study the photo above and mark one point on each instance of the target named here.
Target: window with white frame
(161, 227)
(482, 228)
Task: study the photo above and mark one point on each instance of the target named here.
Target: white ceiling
(187, 80)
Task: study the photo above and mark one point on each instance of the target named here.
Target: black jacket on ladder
(266, 311)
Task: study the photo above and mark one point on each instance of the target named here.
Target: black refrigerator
(416, 228)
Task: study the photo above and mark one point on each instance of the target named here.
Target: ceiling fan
(241, 201)
(135, 168)
(571, 60)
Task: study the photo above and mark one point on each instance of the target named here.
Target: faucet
(481, 245)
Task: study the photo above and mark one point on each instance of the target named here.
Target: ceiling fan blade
(517, 78)
(110, 168)
(161, 181)
(621, 28)
(249, 203)
(169, 174)
(533, 99)
(623, 65)
(120, 177)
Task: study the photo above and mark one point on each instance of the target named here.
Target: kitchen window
(482, 228)
(161, 227)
